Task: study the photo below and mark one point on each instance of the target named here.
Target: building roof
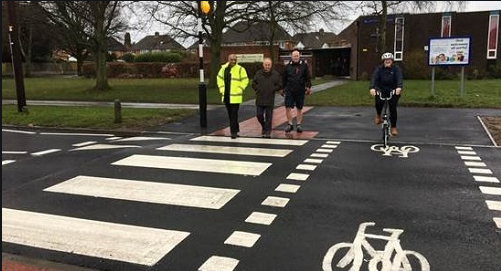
(315, 40)
(114, 45)
(157, 42)
(247, 32)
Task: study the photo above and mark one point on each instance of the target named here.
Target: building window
(492, 36)
(446, 26)
(398, 46)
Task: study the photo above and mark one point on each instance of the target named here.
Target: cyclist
(386, 78)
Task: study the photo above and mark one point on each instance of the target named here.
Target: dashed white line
(242, 239)
(490, 190)
(298, 176)
(219, 263)
(14, 152)
(497, 220)
(84, 143)
(486, 179)
(275, 201)
(467, 152)
(18, 131)
(75, 134)
(327, 146)
(5, 162)
(480, 170)
(104, 147)
(324, 150)
(226, 150)
(306, 167)
(251, 140)
(465, 157)
(261, 218)
(287, 188)
(463, 148)
(313, 161)
(474, 164)
(320, 155)
(45, 152)
(493, 205)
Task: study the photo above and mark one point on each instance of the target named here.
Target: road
(185, 201)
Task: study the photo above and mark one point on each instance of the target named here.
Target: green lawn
(476, 94)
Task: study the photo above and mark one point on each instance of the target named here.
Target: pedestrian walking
(266, 83)
(232, 80)
(297, 83)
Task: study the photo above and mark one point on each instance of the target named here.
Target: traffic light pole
(15, 51)
(202, 88)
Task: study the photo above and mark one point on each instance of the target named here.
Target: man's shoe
(233, 136)
(377, 119)
(289, 128)
(299, 129)
(394, 131)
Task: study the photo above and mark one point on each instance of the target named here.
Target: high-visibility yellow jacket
(239, 82)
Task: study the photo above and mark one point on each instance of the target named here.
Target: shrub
(159, 57)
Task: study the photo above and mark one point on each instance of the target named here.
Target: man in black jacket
(266, 83)
(297, 83)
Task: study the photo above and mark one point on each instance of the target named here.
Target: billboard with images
(449, 51)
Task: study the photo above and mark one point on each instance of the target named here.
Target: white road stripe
(465, 157)
(321, 155)
(275, 201)
(218, 263)
(242, 239)
(113, 138)
(83, 143)
(298, 176)
(334, 142)
(497, 220)
(474, 164)
(251, 140)
(463, 148)
(493, 205)
(287, 188)
(160, 193)
(467, 152)
(18, 131)
(313, 161)
(480, 170)
(261, 218)
(306, 167)
(328, 146)
(490, 190)
(226, 150)
(324, 150)
(14, 152)
(134, 244)
(75, 134)
(5, 162)
(45, 152)
(104, 147)
(486, 179)
(194, 164)
(143, 138)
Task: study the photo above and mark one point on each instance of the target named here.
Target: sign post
(203, 9)
(451, 51)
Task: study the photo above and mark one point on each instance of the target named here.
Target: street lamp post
(203, 9)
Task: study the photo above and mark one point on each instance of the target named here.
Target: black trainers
(299, 129)
(289, 128)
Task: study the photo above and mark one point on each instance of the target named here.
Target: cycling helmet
(387, 55)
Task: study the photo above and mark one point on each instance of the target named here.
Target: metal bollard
(118, 111)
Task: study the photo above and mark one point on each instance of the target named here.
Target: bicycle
(355, 254)
(386, 122)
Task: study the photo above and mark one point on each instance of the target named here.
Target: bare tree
(381, 8)
(180, 17)
(90, 24)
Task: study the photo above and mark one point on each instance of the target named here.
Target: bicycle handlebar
(392, 92)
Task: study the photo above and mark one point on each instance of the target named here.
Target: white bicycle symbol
(355, 254)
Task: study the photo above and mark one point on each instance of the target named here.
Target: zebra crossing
(147, 245)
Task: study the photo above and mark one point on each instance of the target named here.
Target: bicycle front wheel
(386, 135)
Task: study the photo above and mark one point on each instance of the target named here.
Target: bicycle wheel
(329, 256)
(410, 260)
(386, 134)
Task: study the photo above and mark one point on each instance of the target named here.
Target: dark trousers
(233, 116)
(393, 102)
(264, 115)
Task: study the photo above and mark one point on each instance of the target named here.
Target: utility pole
(15, 50)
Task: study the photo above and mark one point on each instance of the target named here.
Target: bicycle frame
(386, 123)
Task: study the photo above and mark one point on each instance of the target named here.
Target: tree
(181, 19)
(89, 24)
(381, 8)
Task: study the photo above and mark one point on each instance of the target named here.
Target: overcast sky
(470, 6)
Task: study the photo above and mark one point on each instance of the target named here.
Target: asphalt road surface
(330, 199)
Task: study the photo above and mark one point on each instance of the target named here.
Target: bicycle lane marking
(482, 174)
(263, 217)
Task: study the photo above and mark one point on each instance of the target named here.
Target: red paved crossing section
(252, 128)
